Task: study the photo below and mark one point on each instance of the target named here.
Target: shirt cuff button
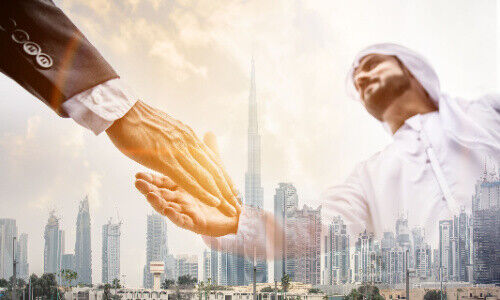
(20, 36)
(44, 60)
(31, 48)
(8, 25)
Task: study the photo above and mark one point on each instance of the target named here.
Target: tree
(167, 283)
(434, 295)
(186, 281)
(68, 276)
(116, 284)
(268, 289)
(45, 286)
(314, 291)
(3, 283)
(285, 282)
(365, 292)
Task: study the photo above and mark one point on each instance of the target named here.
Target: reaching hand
(156, 140)
(182, 209)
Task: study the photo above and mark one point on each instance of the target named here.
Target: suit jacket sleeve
(43, 51)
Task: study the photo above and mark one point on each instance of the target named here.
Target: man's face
(380, 79)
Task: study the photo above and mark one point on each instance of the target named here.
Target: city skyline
(371, 259)
(192, 62)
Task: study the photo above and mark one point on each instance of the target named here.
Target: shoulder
(376, 159)
(488, 102)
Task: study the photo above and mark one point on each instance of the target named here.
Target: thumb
(211, 141)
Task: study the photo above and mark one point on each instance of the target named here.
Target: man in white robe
(428, 172)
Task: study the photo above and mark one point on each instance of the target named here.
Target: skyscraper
(486, 233)
(254, 193)
(111, 252)
(286, 200)
(300, 261)
(22, 257)
(156, 246)
(67, 263)
(446, 248)
(232, 266)
(8, 231)
(462, 238)
(337, 263)
(83, 252)
(54, 246)
(186, 265)
(366, 266)
(211, 266)
(422, 254)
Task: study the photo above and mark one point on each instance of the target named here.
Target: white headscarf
(451, 112)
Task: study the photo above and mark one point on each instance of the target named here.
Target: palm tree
(69, 275)
(285, 284)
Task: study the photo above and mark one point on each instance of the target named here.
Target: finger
(211, 141)
(145, 187)
(217, 175)
(160, 181)
(205, 179)
(172, 210)
(187, 181)
(212, 149)
(160, 204)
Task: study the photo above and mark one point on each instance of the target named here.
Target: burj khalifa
(254, 193)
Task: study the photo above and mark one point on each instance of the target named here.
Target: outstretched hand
(158, 141)
(184, 209)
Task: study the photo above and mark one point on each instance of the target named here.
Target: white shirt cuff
(98, 107)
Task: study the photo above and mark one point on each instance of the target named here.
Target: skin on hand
(158, 141)
(184, 210)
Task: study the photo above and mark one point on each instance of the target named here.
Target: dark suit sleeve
(43, 51)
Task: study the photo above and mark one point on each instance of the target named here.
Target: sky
(191, 59)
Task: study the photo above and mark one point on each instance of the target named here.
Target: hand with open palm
(184, 210)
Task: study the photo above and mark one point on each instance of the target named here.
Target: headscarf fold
(452, 115)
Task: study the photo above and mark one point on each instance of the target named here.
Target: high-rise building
(462, 238)
(54, 246)
(486, 233)
(254, 192)
(337, 263)
(303, 260)
(387, 244)
(22, 257)
(156, 246)
(366, 263)
(8, 231)
(111, 252)
(422, 254)
(436, 264)
(187, 265)
(68, 262)
(83, 248)
(300, 261)
(231, 266)
(211, 266)
(286, 201)
(446, 249)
